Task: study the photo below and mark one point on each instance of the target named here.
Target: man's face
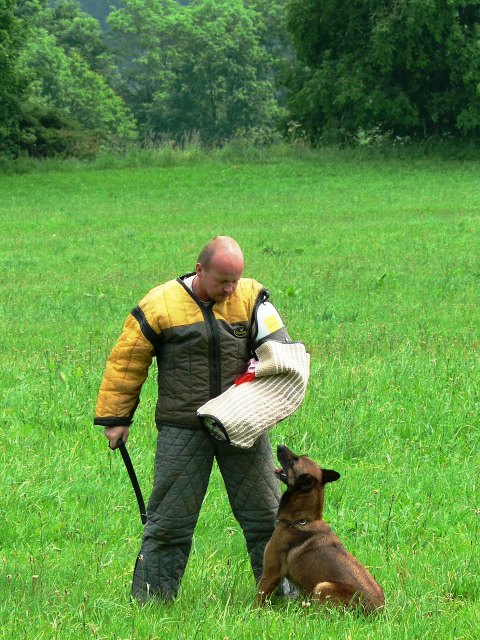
(219, 281)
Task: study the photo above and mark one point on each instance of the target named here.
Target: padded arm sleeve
(125, 373)
(269, 325)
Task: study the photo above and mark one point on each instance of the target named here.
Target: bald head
(219, 268)
(221, 246)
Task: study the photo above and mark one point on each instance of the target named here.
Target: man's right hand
(114, 433)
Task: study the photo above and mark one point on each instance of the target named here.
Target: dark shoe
(145, 596)
(143, 592)
(285, 591)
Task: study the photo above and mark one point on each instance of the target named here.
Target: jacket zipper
(213, 339)
(214, 352)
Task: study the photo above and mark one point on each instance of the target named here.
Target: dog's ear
(305, 482)
(328, 475)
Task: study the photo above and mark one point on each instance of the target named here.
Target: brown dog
(305, 550)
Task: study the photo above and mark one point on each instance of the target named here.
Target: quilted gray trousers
(183, 464)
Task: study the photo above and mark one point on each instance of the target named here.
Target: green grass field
(373, 262)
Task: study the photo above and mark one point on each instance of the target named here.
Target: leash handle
(133, 478)
(120, 443)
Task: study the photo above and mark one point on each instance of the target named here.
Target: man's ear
(328, 475)
(305, 482)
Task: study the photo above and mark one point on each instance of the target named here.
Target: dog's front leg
(266, 587)
(271, 575)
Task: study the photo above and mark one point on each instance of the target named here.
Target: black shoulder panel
(147, 330)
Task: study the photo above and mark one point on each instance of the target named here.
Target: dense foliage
(408, 67)
(59, 99)
(79, 76)
(198, 67)
(11, 87)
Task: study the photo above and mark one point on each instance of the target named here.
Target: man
(202, 328)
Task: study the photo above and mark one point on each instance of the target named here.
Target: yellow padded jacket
(200, 349)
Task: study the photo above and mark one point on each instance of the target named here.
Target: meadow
(373, 262)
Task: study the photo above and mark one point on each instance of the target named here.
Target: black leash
(131, 472)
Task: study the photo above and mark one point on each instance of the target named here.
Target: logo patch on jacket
(240, 332)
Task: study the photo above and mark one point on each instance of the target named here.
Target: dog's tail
(340, 593)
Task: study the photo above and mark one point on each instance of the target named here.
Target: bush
(405, 68)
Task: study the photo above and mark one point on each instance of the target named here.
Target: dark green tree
(12, 87)
(407, 67)
(271, 23)
(193, 68)
(77, 31)
(66, 105)
(65, 82)
(99, 9)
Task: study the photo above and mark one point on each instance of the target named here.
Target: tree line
(79, 76)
